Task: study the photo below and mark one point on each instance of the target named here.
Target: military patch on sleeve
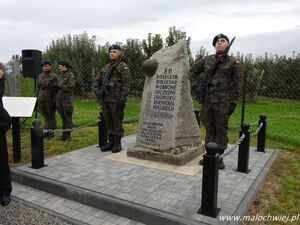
(125, 68)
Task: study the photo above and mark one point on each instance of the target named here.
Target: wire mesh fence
(273, 78)
(276, 79)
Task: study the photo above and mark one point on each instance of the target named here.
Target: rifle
(103, 90)
(202, 91)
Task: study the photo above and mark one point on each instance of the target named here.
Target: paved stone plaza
(87, 186)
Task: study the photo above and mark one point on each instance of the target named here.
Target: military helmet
(218, 36)
(150, 67)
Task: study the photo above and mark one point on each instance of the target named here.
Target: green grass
(280, 192)
(288, 194)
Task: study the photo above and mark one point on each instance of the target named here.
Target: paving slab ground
(132, 190)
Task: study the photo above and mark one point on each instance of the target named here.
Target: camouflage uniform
(64, 101)
(221, 98)
(113, 104)
(47, 84)
(5, 122)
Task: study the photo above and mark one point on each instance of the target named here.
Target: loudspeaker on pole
(31, 62)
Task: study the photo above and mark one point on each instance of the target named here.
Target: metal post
(243, 157)
(261, 137)
(16, 139)
(102, 132)
(210, 181)
(244, 99)
(37, 145)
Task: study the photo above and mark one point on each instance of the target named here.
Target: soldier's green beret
(218, 37)
(46, 62)
(116, 47)
(64, 62)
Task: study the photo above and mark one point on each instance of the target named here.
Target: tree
(152, 44)
(134, 57)
(81, 51)
(175, 35)
(201, 53)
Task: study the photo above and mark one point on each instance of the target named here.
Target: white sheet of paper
(19, 106)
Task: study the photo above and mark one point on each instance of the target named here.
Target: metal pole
(36, 94)
(243, 157)
(16, 139)
(261, 137)
(210, 181)
(244, 99)
(37, 145)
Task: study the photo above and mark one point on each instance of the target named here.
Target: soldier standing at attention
(5, 122)
(222, 96)
(64, 98)
(47, 87)
(113, 101)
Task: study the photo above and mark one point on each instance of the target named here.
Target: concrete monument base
(176, 156)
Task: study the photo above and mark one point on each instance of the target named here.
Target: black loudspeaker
(31, 62)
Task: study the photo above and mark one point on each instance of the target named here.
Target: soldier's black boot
(45, 134)
(63, 136)
(5, 200)
(201, 162)
(68, 136)
(50, 135)
(117, 145)
(221, 162)
(110, 144)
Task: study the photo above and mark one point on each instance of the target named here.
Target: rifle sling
(109, 74)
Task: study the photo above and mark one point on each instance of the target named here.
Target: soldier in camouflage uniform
(47, 84)
(64, 98)
(222, 96)
(113, 103)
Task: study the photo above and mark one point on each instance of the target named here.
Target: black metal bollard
(37, 145)
(102, 132)
(261, 136)
(243, 158)
(210, 181)
(197, 114)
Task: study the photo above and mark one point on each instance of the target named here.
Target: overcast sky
(259, 25)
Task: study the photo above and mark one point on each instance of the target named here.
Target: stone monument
(168, 130)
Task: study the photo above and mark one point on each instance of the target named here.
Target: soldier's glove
(232, 107)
